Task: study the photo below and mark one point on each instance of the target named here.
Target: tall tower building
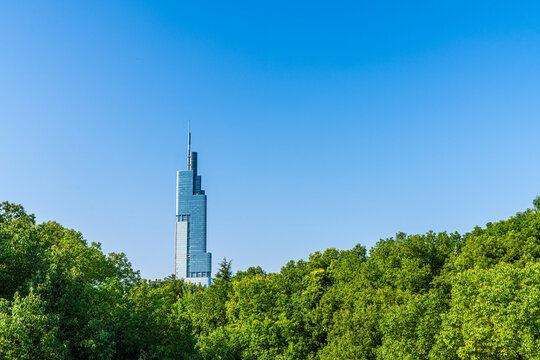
(192, 262)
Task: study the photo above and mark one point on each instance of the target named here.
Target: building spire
(189, 147)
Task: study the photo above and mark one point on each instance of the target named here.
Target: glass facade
(192, 262)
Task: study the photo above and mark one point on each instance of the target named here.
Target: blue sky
(318, 124)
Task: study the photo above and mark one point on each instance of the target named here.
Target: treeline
(432, 296)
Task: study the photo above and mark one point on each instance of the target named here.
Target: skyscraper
(192, 262)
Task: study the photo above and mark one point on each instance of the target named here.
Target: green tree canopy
(425, 296)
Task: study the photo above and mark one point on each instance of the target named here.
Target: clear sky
(318, 124)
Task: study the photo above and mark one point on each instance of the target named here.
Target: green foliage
(224, 273)
(250, 272)
(516, 240)
(536, 203)
(151, 325)
(494, 314)
(27, 331)
(61, 298)
(409, 329)
(431, 296)
(20, 248)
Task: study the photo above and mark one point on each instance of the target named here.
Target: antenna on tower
(189, 147)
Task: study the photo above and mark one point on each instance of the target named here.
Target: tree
(414, 297)
(224, 273)
(20, 250)
(494, 314)
(250, 272)
(27, 331)
(536, 203)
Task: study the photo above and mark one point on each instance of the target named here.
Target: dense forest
(431, 296)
